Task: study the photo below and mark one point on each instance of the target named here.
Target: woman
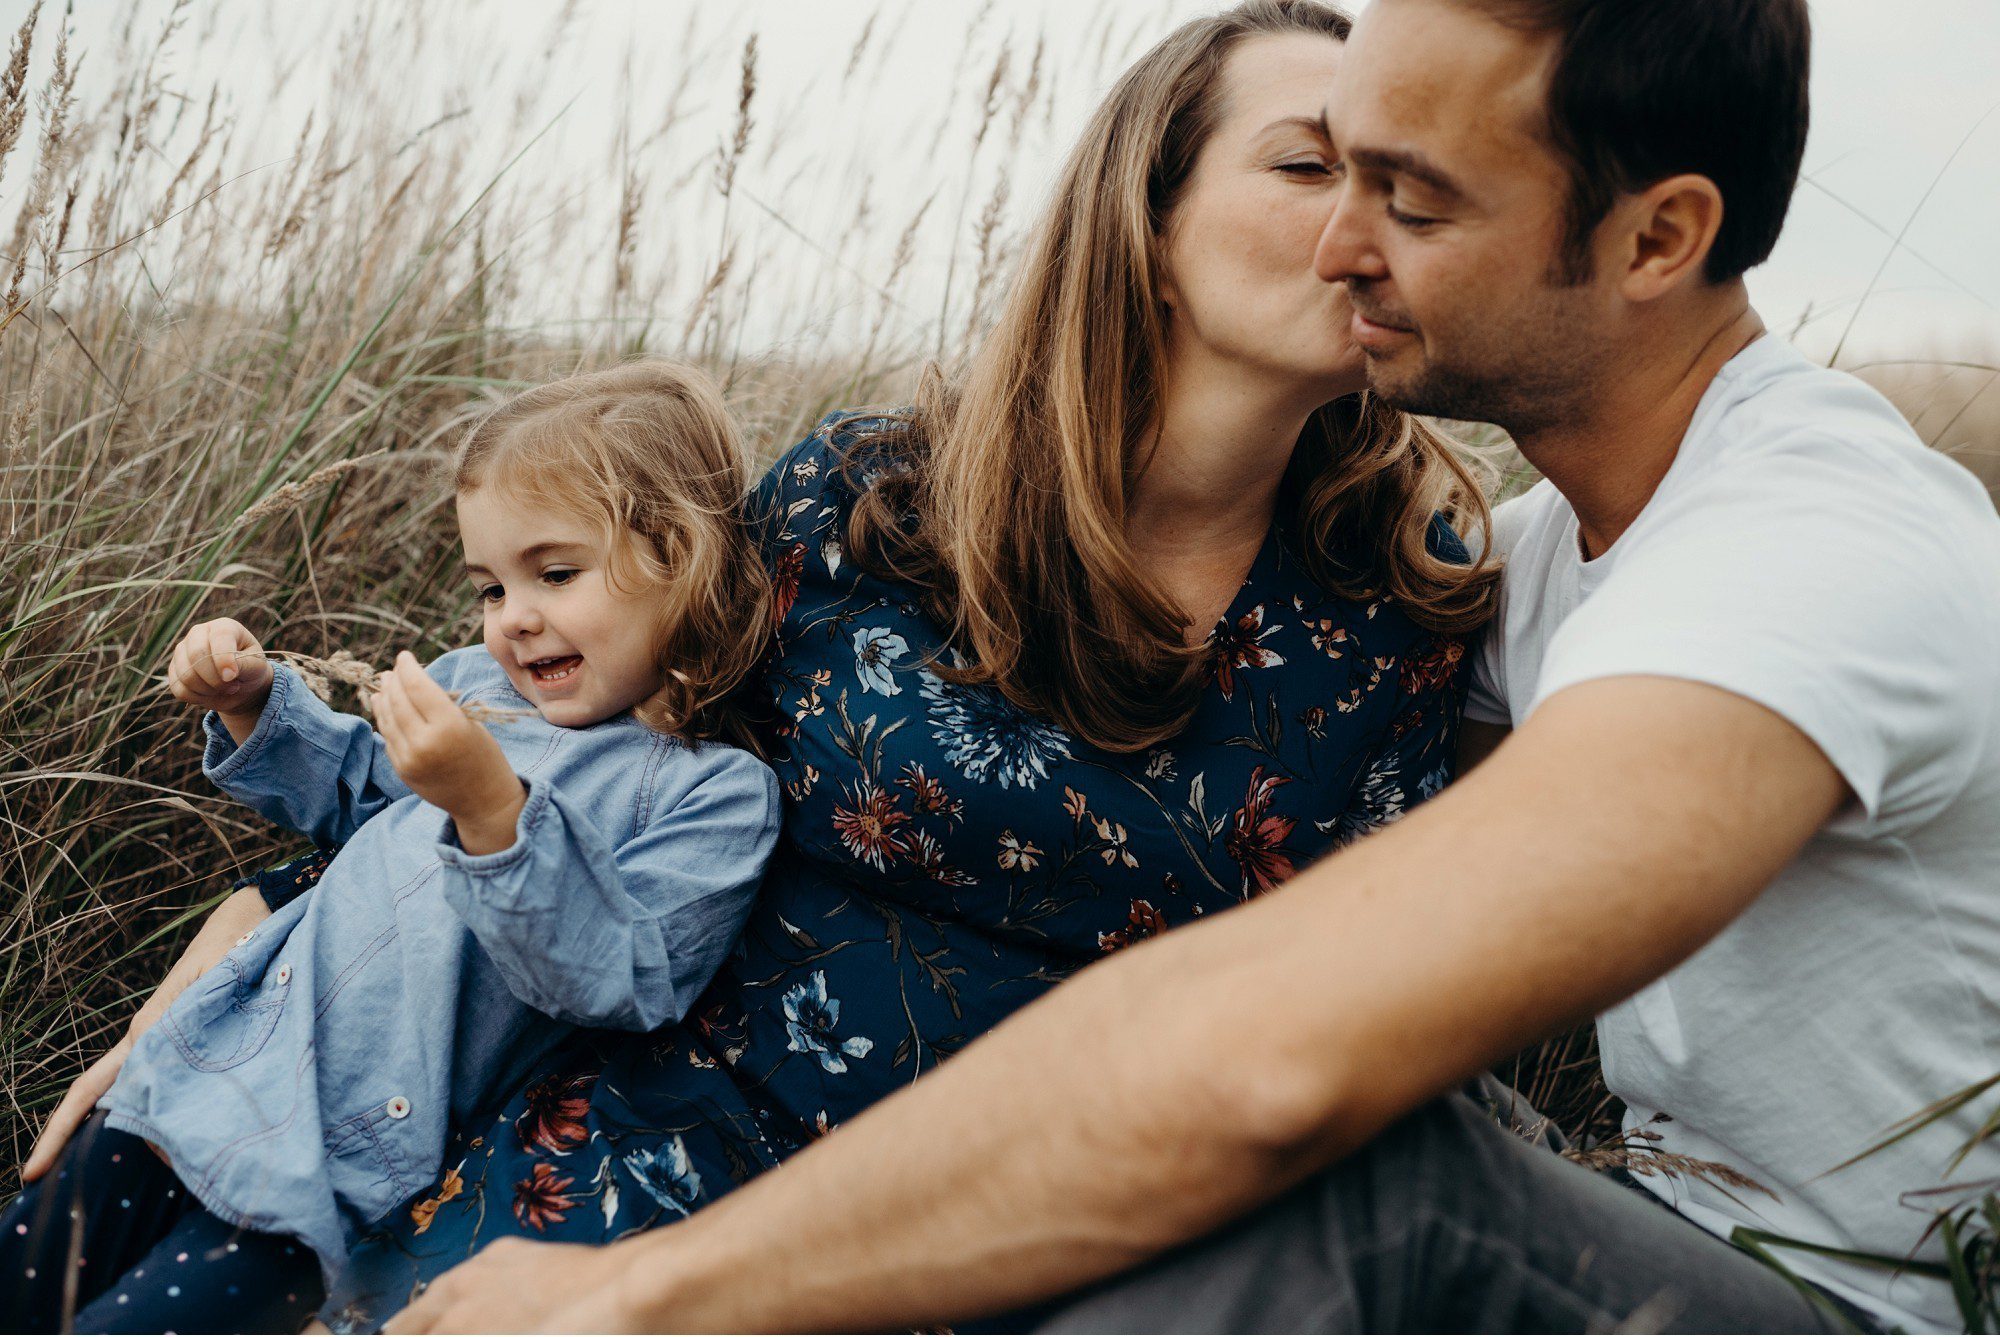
(1151, 609)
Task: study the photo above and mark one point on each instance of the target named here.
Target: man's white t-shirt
(1807, 552)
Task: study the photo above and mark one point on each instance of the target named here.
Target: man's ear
(1670, 229)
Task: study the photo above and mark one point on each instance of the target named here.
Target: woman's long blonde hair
(1018, 476)
(648, 454)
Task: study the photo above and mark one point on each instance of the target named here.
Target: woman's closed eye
(1308, 167)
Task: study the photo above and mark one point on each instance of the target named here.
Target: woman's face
(1238, 259)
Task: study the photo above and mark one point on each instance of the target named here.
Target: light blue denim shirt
(304, 1086)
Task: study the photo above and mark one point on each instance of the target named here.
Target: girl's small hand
(446, 758)
(219, 666)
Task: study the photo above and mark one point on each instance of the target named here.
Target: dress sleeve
(623, 937)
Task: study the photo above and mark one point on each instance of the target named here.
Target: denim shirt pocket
(358, 1147)
(228, 1019)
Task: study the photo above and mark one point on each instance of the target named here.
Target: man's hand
(236, 916)
(220, 666)
(450, 761)
(517, 1285)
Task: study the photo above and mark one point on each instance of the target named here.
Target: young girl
(586, 863)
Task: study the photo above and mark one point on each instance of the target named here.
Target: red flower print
(539, 1199)
(868, 827)
(928, 855)
(930, 795)
(553, 1120)
(1238, 647)
(1314, 718)
(1256, 839)
(785, 582)
(719, 1033)
(803, 786)
(1328, 636)
(1433, 667)
(1144, 921)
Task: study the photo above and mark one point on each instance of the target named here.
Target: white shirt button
(284, 974)
(397, 1108)
(246, 937)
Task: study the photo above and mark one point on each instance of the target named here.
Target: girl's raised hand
(446, 757)
(219, 666)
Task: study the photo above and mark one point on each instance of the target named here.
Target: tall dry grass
(225, 381)
(226, 375)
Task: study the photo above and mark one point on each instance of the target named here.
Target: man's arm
(1177, 1085)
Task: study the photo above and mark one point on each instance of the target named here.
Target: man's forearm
(1169, 1089)
(1086, 1137)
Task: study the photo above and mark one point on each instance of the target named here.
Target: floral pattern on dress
(946, 859)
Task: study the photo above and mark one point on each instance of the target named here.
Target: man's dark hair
(1642, 90)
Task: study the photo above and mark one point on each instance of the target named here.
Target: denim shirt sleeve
(306, 766)
(625, 938)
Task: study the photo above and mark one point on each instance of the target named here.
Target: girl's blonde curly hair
(648, 454)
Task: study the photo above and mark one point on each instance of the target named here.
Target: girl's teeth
(557, 675)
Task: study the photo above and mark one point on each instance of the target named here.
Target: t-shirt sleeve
(1823, 583)
(1486, 689)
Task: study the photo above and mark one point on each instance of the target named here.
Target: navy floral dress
(945, 859)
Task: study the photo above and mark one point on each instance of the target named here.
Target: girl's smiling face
(575, 645)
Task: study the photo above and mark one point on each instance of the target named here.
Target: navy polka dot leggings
(110, 1241)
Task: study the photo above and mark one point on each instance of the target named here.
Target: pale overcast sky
(1902, 144)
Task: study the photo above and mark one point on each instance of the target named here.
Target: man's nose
(1346, 247)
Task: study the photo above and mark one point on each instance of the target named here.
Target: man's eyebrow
(1407, 162)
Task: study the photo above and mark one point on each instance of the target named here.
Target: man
(1748, 814)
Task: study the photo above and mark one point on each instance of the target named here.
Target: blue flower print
(810, 1017)
(1378, 800)
(876, 649)
(983, 733)
(669, 1178)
